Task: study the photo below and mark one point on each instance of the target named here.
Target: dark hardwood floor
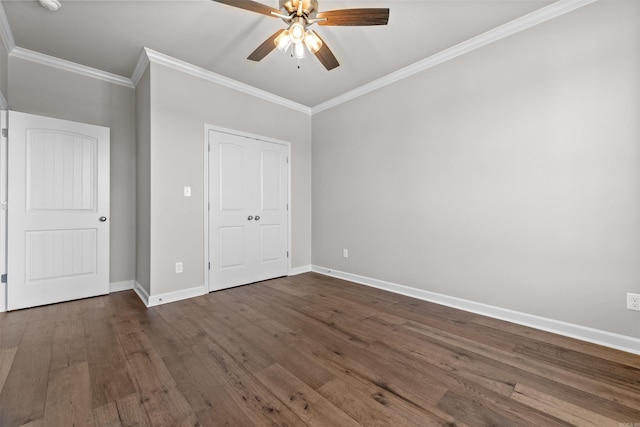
(303, 350)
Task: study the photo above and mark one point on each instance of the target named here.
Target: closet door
(248, 232)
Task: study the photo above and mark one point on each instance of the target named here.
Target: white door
(58, 210)
(248, 234)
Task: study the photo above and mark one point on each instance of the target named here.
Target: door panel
(59, 254)
(248, 184)
(61, 171)
(271, 197)
(231, 247)
(232, 206)
(232, 185)
(58, 190)
(270, 243)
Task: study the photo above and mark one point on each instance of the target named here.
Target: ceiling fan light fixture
(297, 32)
(298, 51)
(312, 41)
(283, 41)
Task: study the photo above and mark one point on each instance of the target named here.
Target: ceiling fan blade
(372, 16)
(250, 5)
(265, 48)
(325, 56)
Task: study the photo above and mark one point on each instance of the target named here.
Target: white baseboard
(3, 297)
(142, 293)
(584, 333)
(121, 286)
(294, 271)
(159, 299)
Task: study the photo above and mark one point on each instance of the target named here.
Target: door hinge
(287, 206)
(209, 265)
(3, 278)
(287, 160)
(4, 205)
(5, 133)
(208, 147)
(287, 254)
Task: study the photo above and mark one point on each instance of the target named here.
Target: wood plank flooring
(303, 350)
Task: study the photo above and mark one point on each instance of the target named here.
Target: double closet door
(248, 210)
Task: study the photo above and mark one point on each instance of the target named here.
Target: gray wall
(48, 91)
(508, 176)
(180, 106)
(143, 181)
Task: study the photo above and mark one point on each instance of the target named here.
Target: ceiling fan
(299, 15)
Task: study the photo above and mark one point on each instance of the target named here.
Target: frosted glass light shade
(296, 32)
(298, 50)
(312, 41)
(283, 41)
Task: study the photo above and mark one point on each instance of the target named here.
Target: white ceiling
(109, 35)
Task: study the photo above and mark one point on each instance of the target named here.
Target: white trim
(141, 67)
(125, 285)
(584, 333)
(205, 196)
(176, 296)
(207, 215)
(199, 72)
(249, 135)
(142, 293)
(299, 270)
(3, 210)
(65, 65)
(539, 16)
(5, 31)
(289, 208)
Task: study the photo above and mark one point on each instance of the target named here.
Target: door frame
(205, 197)
(3, 209)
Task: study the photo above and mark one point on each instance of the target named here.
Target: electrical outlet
(633, 301)
(178, 267)
(345, 253)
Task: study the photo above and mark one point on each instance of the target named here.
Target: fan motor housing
(309, 7)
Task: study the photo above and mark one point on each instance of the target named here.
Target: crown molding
(199, 72)
(532, 19)
(62, 64)
(5, 31)
(141, 67)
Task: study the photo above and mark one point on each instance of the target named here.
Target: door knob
(102, 218)
(250, 217)
(257, 218)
